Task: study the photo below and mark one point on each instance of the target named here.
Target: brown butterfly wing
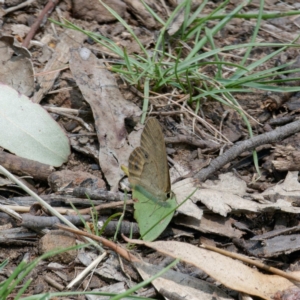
(152, 140)
(148, 165)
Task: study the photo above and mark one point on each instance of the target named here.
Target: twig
(105, 206)
(265, 138)
(167, 113)
(54, 283)
(23, 166)
(124, 253)
(14, 8)
(43, 15)
(41, 222)
(180, 138)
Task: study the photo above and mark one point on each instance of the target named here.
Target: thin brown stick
(41, 222)
(105, 206)
(166, 113)
(43, 15)
(265, 138)
(124, 253)
(54, 283)
(251, 262)
(180, 138)
(14, 8)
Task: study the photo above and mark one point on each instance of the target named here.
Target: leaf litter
(231, 207)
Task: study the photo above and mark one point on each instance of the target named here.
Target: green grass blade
(123, 22)
(216, 29)
(255, 33)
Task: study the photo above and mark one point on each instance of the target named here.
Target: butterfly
(148, 166)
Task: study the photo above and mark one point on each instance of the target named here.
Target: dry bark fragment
(287, 158)
(61, 180)
(58, 239)
(139, 10)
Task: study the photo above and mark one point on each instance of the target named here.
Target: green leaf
(153, 216)
(27, 130)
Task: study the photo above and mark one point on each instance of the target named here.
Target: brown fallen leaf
(187, 287)
(99, 88)
(232, 273)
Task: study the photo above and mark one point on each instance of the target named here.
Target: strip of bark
(287, 158)
(265, 138)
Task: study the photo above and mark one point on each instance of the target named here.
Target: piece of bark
(287, 158)
(67, 179)
(15, 235)
(141, 13)
(58, 239)
(212, 224)
(282, 244)
(273, 233)
(18, 243)
(23, 166)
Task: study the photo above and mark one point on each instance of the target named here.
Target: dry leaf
(99, 88)
(187, 287)
(232, 273)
